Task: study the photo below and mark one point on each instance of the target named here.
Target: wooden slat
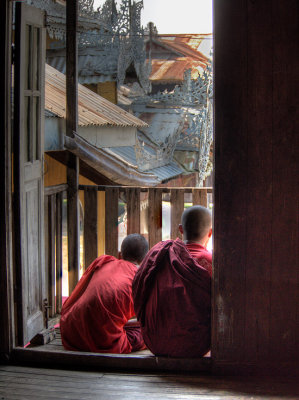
(133, 210)
(90, 225)
(200, 197)
(58, 252)
(51, 255)
(154, 216)
(111, 218)
(177, 208)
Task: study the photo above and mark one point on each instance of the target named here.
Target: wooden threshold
(107, 361)
(53, 354)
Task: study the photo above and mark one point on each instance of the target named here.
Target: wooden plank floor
(18, 382)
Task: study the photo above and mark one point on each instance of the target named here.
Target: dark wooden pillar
(255, 309)
(6, 315)
(72, 126)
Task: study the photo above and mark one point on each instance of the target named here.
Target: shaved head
(134, 248)
(196, 223)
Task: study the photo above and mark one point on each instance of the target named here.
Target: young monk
(172, 297)
(196, 228)
(95, 316)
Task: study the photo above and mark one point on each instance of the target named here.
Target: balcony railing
(153, 212)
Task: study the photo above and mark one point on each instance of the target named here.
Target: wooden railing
(132, 197)
(143, 215)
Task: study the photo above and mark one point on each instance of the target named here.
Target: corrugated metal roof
(170, 69)
(92, 108)
(167, 172)
(164, 173)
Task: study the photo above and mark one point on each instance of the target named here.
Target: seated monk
(196, 229)
(172, 300)
(95, 316)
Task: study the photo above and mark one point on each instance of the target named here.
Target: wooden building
(255, 279)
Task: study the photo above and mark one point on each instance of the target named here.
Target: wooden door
(28, 163)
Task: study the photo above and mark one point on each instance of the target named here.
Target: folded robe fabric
(172, 301)
(93, 318)
(201, 255)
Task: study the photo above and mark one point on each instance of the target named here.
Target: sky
(176, 16)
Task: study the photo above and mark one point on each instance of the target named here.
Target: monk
(95, 316)
(172, 296)
(196, 228)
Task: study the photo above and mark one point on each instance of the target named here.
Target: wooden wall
(256, 319)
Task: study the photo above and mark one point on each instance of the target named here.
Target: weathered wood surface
(90, 226)
(256, 190)
(111, 221)
(154, 216)
(27, 383)
(6, 315)
(133, 210)
(177, 208)
(200, 197)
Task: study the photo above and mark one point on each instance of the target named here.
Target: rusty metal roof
(92, 108)
(190, 51)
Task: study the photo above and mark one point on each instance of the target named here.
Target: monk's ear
(181, 229)
(210, 233)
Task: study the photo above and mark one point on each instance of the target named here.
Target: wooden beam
(111, 221)
(154, 216)
(177, 208)
(90, 225)
(71, 127)
(133, 210)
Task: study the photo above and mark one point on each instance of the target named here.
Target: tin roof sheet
(92, 108)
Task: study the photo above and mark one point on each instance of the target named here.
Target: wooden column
(6, 314)
(154, 216)
(177, 208)
(72, 126)
(133, 210)
(111, 221)
(90, 225)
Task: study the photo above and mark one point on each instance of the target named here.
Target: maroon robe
(94, 317)
(172, 301)
(201, 255)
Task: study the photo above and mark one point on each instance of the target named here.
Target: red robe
(172, 300)
(201, 255)
(93, 318)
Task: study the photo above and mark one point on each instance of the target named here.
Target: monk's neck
(194, 242)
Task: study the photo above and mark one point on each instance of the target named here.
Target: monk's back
(172, 297)
(95, 321)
